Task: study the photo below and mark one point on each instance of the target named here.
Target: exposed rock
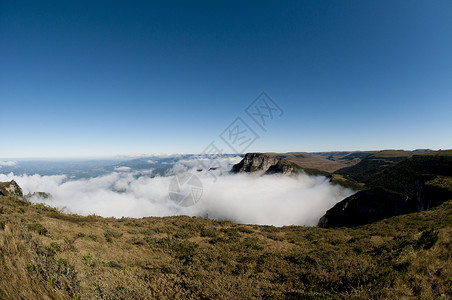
(431, 191)
(269, 164)
(366, 207)
(10, 189)
(41, 195)
(377, 203)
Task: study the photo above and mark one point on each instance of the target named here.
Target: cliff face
(10, 189)
(432, 192)
(375, 204)
(270, 164)
(366, 207)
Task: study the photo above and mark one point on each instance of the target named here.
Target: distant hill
(393, 169)
(324, 161)
(370, 166)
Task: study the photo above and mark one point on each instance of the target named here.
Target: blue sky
(102, 78)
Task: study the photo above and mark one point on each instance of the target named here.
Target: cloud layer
(7, 163)
(244, 198)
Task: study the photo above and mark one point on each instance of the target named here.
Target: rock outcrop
(39, 195)
(431, 191)
(269, 164)
(10, 189)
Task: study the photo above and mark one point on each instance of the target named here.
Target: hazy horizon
(143, 155)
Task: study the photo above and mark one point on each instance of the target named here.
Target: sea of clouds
(244, 198)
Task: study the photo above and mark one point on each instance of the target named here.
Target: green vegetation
(38, 228)
(48, 254)
(111, 233)
(370, 167)
(397, 170)
(314, 172)
(348, 183)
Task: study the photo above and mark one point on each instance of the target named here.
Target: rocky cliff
(366, 207)
(269, 164)
(10, 189)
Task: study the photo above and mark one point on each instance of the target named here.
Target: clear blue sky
(95, 78)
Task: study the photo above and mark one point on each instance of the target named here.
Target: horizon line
(169, 154)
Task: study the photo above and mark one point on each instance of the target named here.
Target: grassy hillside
(393, 169)
(45, 254)
(324, 161)
(403, 176)
(371, 166)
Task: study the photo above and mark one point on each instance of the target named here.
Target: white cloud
(7, 163)
(141, 155)
(122, 169)
(244, 198)
(275, 199)
(220, 165)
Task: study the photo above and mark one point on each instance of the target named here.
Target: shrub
(209, 232)
(109, 234)
(114, 264)
(88, 260)
(30, 267)
(183, 234)
(231, 232)
(53, 246)
(38, 228)
(270, 229)
(428, 239)
(244, 230)
(310, 237)
(274, 237)
(252, 243)
(185, 250)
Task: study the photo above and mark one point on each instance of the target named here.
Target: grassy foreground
(45, 254)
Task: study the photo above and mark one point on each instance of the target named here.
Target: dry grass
(193, 258)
